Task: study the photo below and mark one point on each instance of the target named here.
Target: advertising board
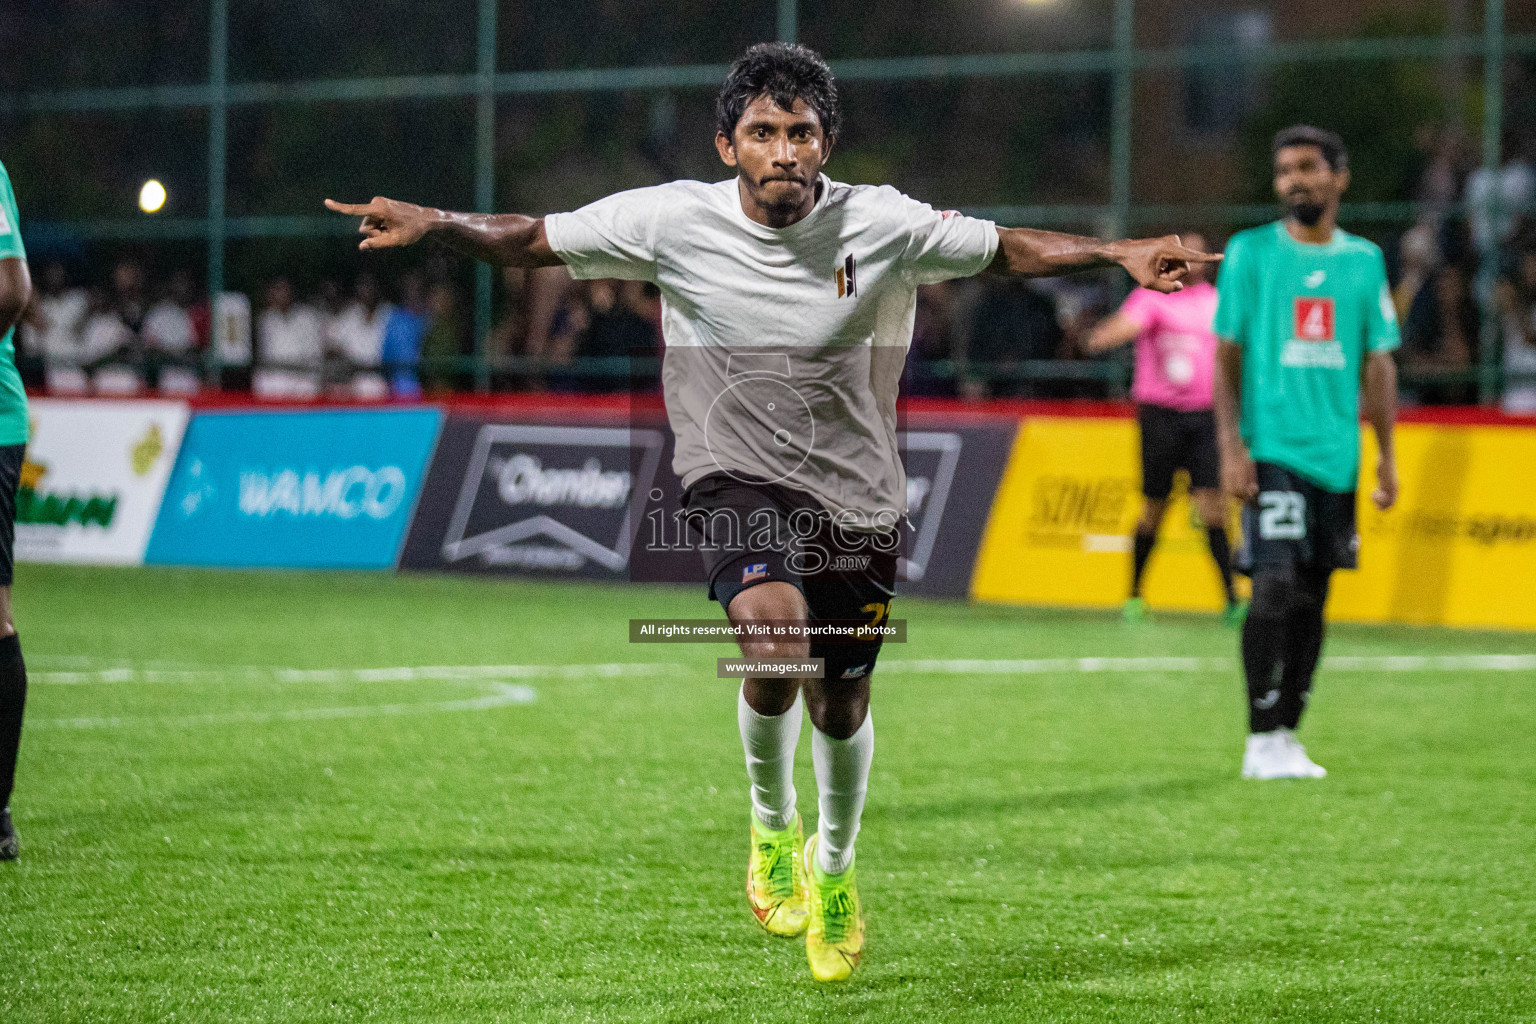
(93, 478)
(1459, 549)
(298, 489)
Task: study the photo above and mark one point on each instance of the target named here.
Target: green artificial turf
(1045, 846)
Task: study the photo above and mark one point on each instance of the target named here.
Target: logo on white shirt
(847, 284)
(1316, 278)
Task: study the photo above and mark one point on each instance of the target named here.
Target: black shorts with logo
(11, 458)
(1297, 524)
(1172, 440)
(752, 532)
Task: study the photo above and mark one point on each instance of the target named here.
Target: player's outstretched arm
(506, 240)
(1158, 263)
(1239, 475)
(1381, 411)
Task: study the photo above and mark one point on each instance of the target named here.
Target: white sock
(842, 779)
(769, 741)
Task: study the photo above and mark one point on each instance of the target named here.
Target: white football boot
(1305, 767)
(1278, 755)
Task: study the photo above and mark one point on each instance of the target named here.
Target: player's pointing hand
(1159, 263)
(387, 222)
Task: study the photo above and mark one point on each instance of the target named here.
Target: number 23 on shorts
(1282, 515)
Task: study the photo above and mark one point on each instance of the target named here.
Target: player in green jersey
(15, 293)
(1305, 320)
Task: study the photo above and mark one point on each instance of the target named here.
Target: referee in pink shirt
(1175, 370)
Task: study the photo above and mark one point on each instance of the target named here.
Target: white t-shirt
(168, 328)
(357, 336)
(289, 339)
(784, 346)
(63, 326)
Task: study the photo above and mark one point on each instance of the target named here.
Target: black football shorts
(11, 458)
(1172, 440)
(1294, 523)
(752, 532)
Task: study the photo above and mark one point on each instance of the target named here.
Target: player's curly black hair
(1306, 135)
(786, 72)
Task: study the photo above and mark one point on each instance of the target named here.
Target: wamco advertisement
(295, 489)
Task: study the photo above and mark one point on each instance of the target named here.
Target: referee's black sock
(1141, 550)
(1264, 645)
(13, 697)
(1221, 551)
(1303, 645)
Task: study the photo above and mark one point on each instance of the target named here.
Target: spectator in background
(289, 346)
(403, 334)
(1516, 294)
(443, 342)
(619, 326)
(55, 328)
(1514, 187)
(355, 337)
(510, 334)
(113, 348)
(1014, 322)
(1418, 255)
(170, 339)
(932, 340)
(1440, 335)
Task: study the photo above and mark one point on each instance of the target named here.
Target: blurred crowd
(975, 338)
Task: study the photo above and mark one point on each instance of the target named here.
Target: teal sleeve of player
(1382, 334)
(10, 226)
(1232, 298)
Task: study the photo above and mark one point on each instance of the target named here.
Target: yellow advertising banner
(1459, 549)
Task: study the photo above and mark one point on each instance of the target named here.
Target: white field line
(1097, 666)
(504, 694)
(494, 676)
(84, 674)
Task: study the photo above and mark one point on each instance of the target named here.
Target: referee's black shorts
(11, 457)
(1172, 440)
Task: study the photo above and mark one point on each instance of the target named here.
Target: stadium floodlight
(152, 196)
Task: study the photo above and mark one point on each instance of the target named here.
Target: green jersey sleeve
(1233, 299)
(10, 228)
(1381, 331)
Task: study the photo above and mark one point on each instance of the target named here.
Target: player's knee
(774, 601)
(838, 707)
(1311, 592)
(770, 697)
(1273, 592)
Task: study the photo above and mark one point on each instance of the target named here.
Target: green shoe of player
(834, 942)
(776, 887)
(1135, 610)
(1235, 615)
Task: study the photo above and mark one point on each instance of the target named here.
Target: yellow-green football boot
(834, 941)
(776, 886)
